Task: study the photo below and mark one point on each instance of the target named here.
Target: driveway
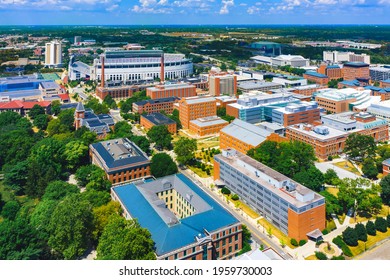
(323, 166)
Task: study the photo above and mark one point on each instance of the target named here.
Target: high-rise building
(223, 84)
(53, 54)
(193, 108)
(336, 57)
(77, 40)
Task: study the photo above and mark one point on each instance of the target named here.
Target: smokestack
(102, 75)
(162, 74)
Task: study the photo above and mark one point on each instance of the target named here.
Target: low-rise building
(222, 84)
(155, 105)
(247, 86)
(380, 73)
(303, 112)
(243, 136)
(353, 70)
(168, 90)
(290, 81)
(316, 77)
(184, 222)
(290, 60)
(333, 72)
(385, 83)
(24, 107)
(308, 90)
(386, 167)
(156, 119)
(294, 209)
(336, 57)
(207, 126)
(121, 160)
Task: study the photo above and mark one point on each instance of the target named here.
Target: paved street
(324, 166)
(381, 252)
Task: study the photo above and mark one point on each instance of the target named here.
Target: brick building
(155, 105)
(308, 90)
(304, 112)
(315, 77)
(207, 125)
(386, 167)
(155, 119)
(184, 222)
(243, 136)
(195, 108)
(353, 70)
(168, 90)
(294, 209)
(121, 159)
(24, 107)
(222, 84)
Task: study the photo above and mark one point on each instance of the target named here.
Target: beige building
(53, 54)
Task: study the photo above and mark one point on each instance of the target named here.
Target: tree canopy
(385, 192)
(160, 135)
(162, 165)
(185, 149)
(358, 146)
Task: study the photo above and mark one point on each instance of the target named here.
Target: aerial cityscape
(193, 139)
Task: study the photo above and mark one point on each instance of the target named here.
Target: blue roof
(333, 67)
(350, 82)
(386, 81)
(158, 100)
(315, 74)
(169, 238)
(356, 64)
(158, 119)
(386, 162)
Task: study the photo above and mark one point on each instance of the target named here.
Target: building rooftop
(321, 133)
(246, 132)
(157, 101)
(169, 232)
(386, 162)
(170, 87)
(356, 64)
(158, 119)
(256, 171)
(116, 154)
(250, 85)
(208, 121)
(316, 74)
(199, 99)
(49, 85)
(298, 107)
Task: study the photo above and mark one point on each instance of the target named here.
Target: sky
(151, 12)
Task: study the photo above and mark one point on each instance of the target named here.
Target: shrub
(10, 210)
(370, 227)
(350, 237)
(325, 232)
(321, 256)
(361, 232)
(330, 158)
(340, 243)
(319, 242)
(338, 258)
(294, 242)
(225, 191)
(235, 197)
(302, 242)
(381, 224)
(388, 221)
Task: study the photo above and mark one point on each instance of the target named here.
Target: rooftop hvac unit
(290, 186)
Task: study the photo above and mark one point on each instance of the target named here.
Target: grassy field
(208, 143)
(199, 171)
(330, 225)
(346, 165)
(275, 232)
(383, 213)
(247, 210)
(332, 190)
(311, 258)
(371, 241)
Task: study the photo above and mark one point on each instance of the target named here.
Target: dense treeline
(46, 215)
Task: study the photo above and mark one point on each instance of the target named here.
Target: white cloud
(253, 10)
(112, 8)
(243, 4)
(66, 8)
(225, 6)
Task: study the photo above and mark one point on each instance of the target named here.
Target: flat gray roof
(246, 132)
(195, 100)
(207, 121)
(333, 133)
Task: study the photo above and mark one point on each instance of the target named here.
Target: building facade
(207, 126)
(304, 112)
(294, 209)
(184, 222)
(155, 105)
(121, 159)
(308, 90)
(196, 107)
(53, 54)
(353, 70)
(171, 90)
(380, 73)
(156, 119)
(336, 57)
(316, 77)
(222, 84)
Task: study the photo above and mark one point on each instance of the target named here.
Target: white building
(336, 57)
(282, 60)
(53, 54)
(380, 73)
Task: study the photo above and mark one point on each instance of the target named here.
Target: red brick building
(169, 90)
(156, 119)
(155, 105)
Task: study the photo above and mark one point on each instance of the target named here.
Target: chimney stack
(162, 74)
(102, 75)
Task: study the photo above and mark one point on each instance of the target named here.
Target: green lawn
(275, 232)
(199, 171)
(249, 211)
(332, 190)
(346, 165)
(362, 218)
(311, 258)
(330, 225)
(371, 241)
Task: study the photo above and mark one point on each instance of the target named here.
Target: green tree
(122, 130)
(40, 217)
(41, 121)
(311, 178)
(96, 106)
(9, 118)
(370, 227)
(369, 168)
(125, 240)
(160, 135)
(246, 240)
(359, 146)
(10, 210)
(162, 165)
(71, 227)
(55, 127)
(76, 154)
(110, 102)
(35, 111)
(350, 237)
(385, 193)
(16, 176)
(380, 224)
(96, 198)
(185, 149)
(19, 240)
(332, 204)
(66, 118)
(57, 190)
(330, 176)
(56, 107)
(101, 217)
(361, 232)
(142, 142)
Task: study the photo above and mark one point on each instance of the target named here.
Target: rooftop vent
(290, 186)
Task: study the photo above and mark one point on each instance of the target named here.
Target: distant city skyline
(152, 12)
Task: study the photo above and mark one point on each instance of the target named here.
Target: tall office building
(77, 40)
(53, 54)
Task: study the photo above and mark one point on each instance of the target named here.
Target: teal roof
(315, 74)
(168, 238)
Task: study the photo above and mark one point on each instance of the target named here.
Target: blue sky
(194, 12)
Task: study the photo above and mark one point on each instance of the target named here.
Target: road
(381, 252)
(324, 166)
(115, 114)
(257, 235)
